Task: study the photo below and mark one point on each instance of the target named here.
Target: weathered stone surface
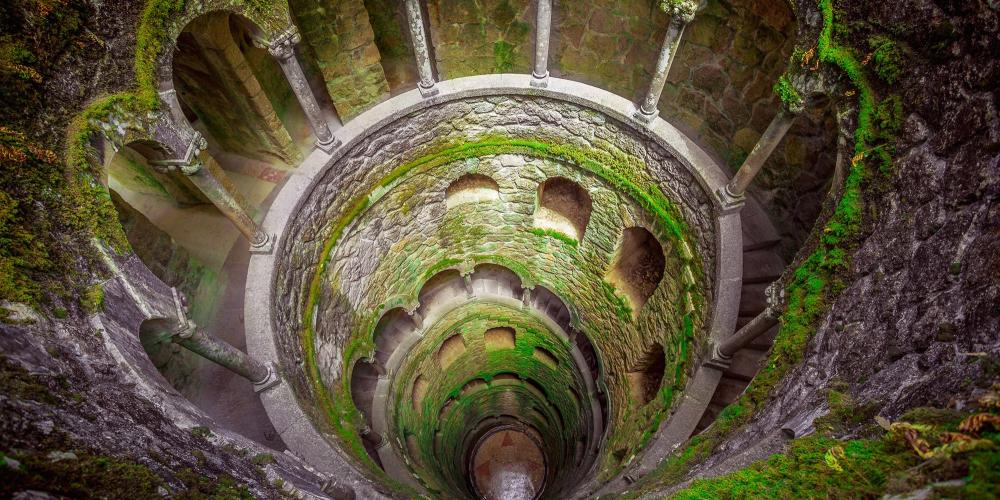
(339, 37)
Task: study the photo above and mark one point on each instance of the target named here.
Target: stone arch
(563, 206)
(494, 279)
(451, 349)
(441, 287)
(638, 266)
(472, 386)
(220, 92)
(545, 357)
(646, 375)
(364, 379)
(553, 306)
(268, 22)
(471, 188)
(392, 329)
(501, 337)
(418, 391)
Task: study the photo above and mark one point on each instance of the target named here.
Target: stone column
(733, 193)
(681, 13)
(543, 26)
(197, 341)
(420, 48)
(724, 351)
(188, 335)
(283, 49)
(213, 182)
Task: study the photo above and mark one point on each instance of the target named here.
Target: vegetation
(552, 233)
(787, 93)
(927, 448)
(818, 277)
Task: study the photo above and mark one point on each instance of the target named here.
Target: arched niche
(505, 378)
(392, 329)
(441, 287)
(364, 379)
(646, 375)
(502, 337)
(471, 188)
(451, 349)
(638, 266)
(550, 304)
(472, 386)
(563, 206)
(219, 91)
(493, 279)
(545, 357)
(418, 391)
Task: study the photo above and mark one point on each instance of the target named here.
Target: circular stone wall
(607, 219)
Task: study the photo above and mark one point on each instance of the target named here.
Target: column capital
(189, 164)
(283, 45)
(775, 306)
(682, 11)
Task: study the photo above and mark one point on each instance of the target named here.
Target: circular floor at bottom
(508, 465)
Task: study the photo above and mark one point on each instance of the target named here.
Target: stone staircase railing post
(283, 49)
(543, 27)
(681, 13)
(421, 48)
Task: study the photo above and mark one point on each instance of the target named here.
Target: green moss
(16, 382)
(262, 459)
(87, 476)
(503, 57)
(821, 466)
(93, 300)
(787, 93)
(201, 431)
(804, 472)
(619, 303)
(887, 57)
(552, 233)
(157, 17)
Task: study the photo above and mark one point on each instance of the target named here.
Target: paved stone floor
(509, 466)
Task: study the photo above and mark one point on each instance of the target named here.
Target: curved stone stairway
(762, 265)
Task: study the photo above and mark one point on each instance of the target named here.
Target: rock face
(917, 322)
(914, 320)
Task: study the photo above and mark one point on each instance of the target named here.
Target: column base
(264, 245)
(718, 360)
(428, 91)
(642, 116)
(328, 145)
(270, 381)
(730, 202)
(540, 82)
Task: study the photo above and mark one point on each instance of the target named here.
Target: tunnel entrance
(508, 464)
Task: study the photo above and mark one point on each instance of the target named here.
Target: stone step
(756, 225)
(761, 267)
(753, 299)
(745, 364)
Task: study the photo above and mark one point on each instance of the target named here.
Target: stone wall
(719, 89)
(338, 37)
(476, 37)
(382, 253)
